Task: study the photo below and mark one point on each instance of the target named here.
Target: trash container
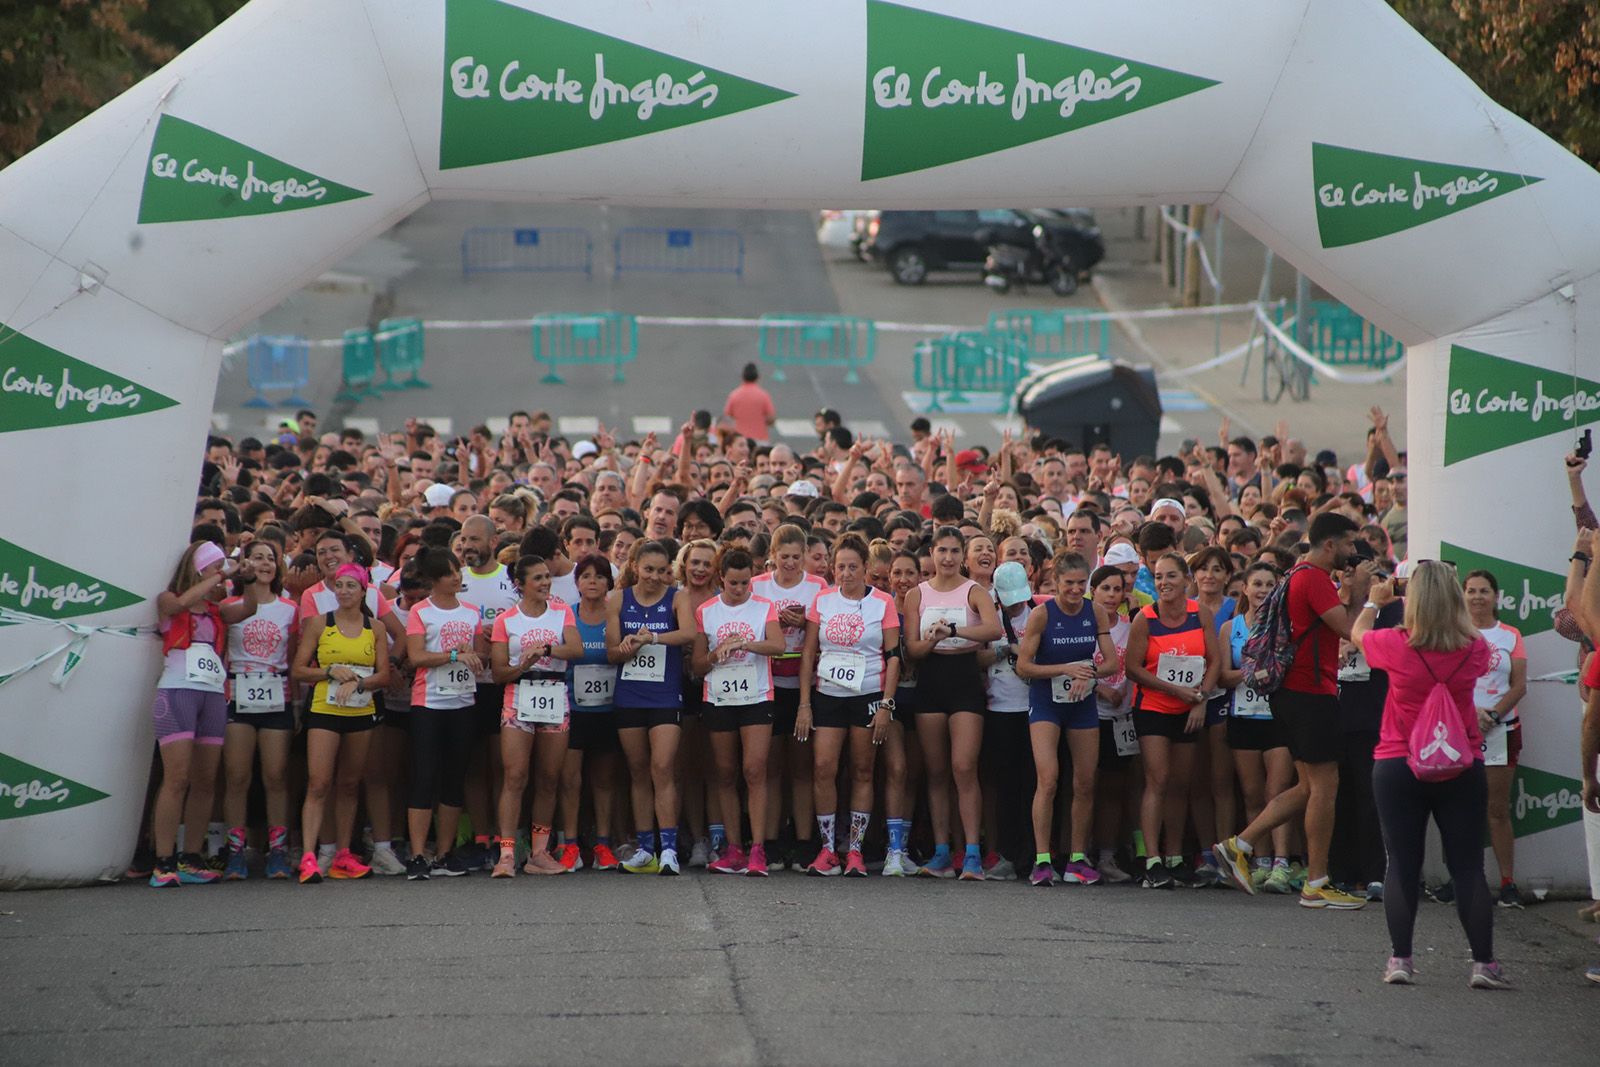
(1090, 399)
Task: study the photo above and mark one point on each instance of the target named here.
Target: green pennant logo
(34, 585)
(28, 790)
(520, 84)
(941, 89)
(1541, 801)
(194, 174)
(1497, 402)
(40, 386)
(1529, 597)
(1363, 195)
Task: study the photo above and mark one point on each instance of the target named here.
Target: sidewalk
(1336, 415)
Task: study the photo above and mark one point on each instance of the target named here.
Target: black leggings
(1460, 808)
(441, 743)
(1006, 760)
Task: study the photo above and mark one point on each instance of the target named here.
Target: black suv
(912, 243)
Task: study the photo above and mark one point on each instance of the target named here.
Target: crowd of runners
(519, 653)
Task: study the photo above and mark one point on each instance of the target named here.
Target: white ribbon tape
(74, 647)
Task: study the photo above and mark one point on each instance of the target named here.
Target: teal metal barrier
(817, 341)
(1053, 334)
(400, 350)
(601, 337)
(1337, 335)
(360, 366)
(978, 361)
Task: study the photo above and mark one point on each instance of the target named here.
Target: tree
(60, 60)
(1540, 59)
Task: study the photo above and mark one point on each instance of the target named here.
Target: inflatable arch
(133, 244)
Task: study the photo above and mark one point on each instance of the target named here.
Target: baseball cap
(971, 459)
(804, 487)
(438, 495)
(1121, 554)
(1011, 584)
(585, 448)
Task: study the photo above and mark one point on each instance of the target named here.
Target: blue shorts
(1083, 715)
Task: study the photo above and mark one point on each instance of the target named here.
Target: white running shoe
(1111, 872)
(700, 855)
(385, 862)
(1004, 871)
(895, 865)
(668, 861)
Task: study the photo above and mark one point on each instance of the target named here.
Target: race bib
(542, 702)
(1064, 690)
(452, 680)
(1126, 737)
(1186, 671)
(361, 698)
(847, 670)
(734, 683)
(257, 692)
(649, 664)
(1353, 666)
(1495, 751)
(1249, 704)
(594, 684)
(202, 665)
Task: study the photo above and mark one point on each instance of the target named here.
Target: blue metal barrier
(282, 362)
(704, 251)
(496, 249)
(1054, 333)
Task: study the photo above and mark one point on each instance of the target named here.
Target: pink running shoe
(1079, 873)
(854, 866)
(826, 865)
(731, 861)
(756, 867)
(310, 873)
(345, 865)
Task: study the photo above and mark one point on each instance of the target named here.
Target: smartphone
(1585, 444)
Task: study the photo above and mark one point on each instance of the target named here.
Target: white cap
(804, 487)
(438, 495)
(585, 448)
(1121, 554)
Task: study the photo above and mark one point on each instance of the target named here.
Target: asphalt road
(708, 969)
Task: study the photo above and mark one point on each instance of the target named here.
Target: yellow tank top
(334, 648)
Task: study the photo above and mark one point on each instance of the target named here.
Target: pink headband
(206, 555)
(352, 570)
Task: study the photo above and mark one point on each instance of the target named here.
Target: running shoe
(1297, 874)
(163, 875)
(1157, 876)
(1488, 976)
(1399, 971)
(506, 865)
(278, 868)
(543, 863)
(1234, 865)
(1277, 881)
(732, 861)
(237, 870)
(386, 863)
(992, 859)
(971, 869)
(641, 862)
(192, 870)
(1002, 870)
(143, 864)
(310, 873)
(570, 856)
(217, 861)
(1043, 875)
(1111, 872)
(1329, 897)
(1509, 897)
(897, 864)
(826, 865)
(756, 866)
(801, 855)
(667, 862)
(417, 869)
(1375, 891)
(1258, 875)
(1443, 893)
(700, 855)
(1593, 973)
(1207, 875)
(1078, 872)
(453, 864)
(603, 859)
(938, 867)
(345, 866)
(1183, 877)
(854, 865)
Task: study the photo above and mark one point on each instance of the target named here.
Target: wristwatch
(1373, 604)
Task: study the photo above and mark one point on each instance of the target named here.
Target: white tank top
(953, 606)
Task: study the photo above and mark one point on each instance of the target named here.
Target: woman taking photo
(190, 710)
(1436, 644)
(259, 716)
(844, 674)
(647, 624)
(735, 636)
(1066, 648)
(527, 650)
(1495, 696)
(593, 736)
(347, 657)
(696, 574)
(954, 617)
(1173, 661)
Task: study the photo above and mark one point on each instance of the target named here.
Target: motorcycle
(1040, 261)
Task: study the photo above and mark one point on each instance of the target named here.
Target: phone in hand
(1585, 444)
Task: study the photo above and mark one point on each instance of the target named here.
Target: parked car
(913, 244)
(836, 229)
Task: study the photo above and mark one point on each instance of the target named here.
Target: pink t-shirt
(1410, 683)
(750, 407)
